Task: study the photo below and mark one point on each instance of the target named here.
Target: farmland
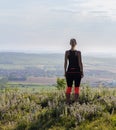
(44, 69)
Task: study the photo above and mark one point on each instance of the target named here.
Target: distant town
(46, 68)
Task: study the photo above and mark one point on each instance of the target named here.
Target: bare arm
(65, 63)
(81, 64)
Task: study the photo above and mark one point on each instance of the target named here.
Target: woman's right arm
(65, 63)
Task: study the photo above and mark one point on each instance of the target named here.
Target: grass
(43, 109)
(33, 87)
(107, 122)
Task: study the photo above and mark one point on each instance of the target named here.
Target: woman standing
(73, 68)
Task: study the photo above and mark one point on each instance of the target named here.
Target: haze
(48, 25)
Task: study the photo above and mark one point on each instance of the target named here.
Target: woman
(73, 68)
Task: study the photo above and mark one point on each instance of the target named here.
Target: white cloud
(90, 8)
(49, 24)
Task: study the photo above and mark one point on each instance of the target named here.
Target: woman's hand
(64, 74)
(82, 75)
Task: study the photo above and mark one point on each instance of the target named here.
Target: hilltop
(45, 109)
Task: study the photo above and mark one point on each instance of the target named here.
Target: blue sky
(48, 25)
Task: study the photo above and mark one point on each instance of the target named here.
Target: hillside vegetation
(46, 110)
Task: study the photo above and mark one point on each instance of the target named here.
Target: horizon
(90, 54)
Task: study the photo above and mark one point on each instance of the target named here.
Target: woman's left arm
(81, 64)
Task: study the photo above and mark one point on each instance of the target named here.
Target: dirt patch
(42, 80)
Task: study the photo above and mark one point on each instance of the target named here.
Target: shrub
(61, 83)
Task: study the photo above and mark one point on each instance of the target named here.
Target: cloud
(87, 8)
(50, 24)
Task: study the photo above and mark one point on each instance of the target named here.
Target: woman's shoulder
(67, 51)
(78, 51)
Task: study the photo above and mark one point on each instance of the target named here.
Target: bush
(47, 110)
(61, 84)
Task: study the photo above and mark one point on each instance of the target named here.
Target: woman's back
(73, 58)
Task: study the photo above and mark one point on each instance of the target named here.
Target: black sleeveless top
(73, 58)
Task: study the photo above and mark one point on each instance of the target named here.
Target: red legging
(70, 77)
(69, 89)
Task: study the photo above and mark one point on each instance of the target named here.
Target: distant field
(37, 81)
(30, 59)
(42, 80)
(44, 68)
(31, 88)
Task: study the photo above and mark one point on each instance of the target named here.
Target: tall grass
(46, 110)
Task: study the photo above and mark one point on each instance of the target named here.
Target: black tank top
(73, 61)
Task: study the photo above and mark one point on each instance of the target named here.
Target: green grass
(107, 122)
(44, 108)
(33, 87)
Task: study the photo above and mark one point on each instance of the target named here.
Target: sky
(48, 25)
